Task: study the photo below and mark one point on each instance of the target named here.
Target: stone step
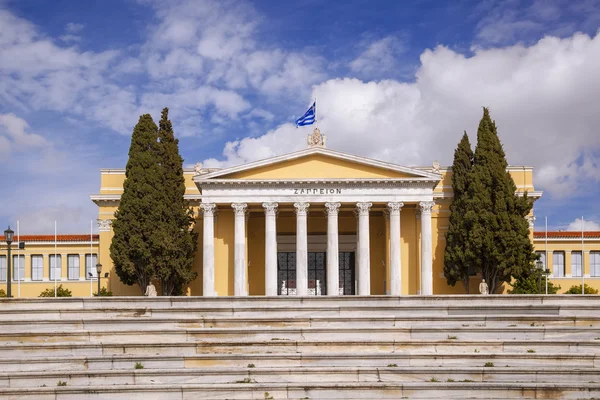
(289, 360)
(297, 375)
(303, 347)
(466, 302)
(334, 334)
(136, 323)
(313, 390)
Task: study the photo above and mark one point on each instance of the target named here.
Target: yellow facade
(39, 249)
(309, 170)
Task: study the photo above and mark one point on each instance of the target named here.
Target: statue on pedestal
(483, 287)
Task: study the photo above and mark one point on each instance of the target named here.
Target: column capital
(301, 208)
(332, 208)
(363, 208)
(104, 225)
(209, 209)
(426, 206)
(239, 209)
(394, 207)
(270, 208)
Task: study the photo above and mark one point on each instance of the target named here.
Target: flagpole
(55, 260)
(582, 260)
(316, 120)
(19, 258)
(546, 256)
(91, 252)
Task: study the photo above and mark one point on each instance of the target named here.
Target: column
(364, 264)
(301, 249)
(395, 252)
(333, 263)
(208, 249)
(239, 250)
(270, 249)
(426, 248)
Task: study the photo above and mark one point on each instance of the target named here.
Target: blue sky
(395, 80)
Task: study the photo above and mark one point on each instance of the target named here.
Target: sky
(398, 81)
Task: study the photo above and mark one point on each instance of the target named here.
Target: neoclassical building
(313, 222)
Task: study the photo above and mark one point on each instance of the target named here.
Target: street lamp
(98, 270)
(9, 235)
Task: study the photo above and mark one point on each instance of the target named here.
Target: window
(90, 265)
(37, 268)
(73, 267)
(2, 268)
(558, 264)
(55, 264)
(576, 263)
(542, 258)
(18, 268)
(594, 263)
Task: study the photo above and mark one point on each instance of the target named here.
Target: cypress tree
(173, 241)
(499, 234)
(457, 257)
(135, 220)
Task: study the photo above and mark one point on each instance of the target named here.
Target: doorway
(317, 273)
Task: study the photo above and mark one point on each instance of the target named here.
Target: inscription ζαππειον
(318, 191)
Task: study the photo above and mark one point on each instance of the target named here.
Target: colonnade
(363, 268)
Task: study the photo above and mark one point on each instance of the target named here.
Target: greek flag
(309, 116)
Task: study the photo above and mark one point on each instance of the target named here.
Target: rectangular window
(37, 268)
(90, 265)
(73, 267)
(55, 263)
(542, 258)
(576, 263)
(18, 268)
(2, 268)
(558, 264)
(594, 263)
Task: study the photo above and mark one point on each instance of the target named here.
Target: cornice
(300, 183)
(114, 199)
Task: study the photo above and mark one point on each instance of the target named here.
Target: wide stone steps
(288, 360)
(143, 323)
(302, 347)
(443, 347)
(297, 375)
(313, 390)
(155, 335)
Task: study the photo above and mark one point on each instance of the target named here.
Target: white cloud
(73, 27)
(379, 57)
(13, 135)
(543, 98)
(587, 225)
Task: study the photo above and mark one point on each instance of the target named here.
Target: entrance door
(286, 273)
(317, 275)
(347, 273)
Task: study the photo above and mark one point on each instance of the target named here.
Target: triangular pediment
(318, 163)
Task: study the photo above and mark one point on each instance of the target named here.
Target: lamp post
(98, 271)
(539, 265)
(9, 235)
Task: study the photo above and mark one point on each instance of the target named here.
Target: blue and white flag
(309, 116)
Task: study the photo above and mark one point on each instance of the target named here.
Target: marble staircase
(377, 347)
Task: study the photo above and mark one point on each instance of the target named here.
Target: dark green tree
(533, 283)
(137, 217)
(499, 234)
(576, 289)
(174, 241)
(457, 257)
